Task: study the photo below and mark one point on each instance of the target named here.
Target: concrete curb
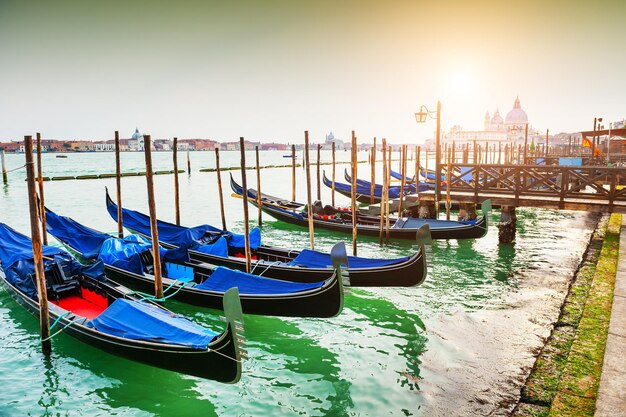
(612, 392)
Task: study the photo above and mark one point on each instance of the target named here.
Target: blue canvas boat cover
(415, 223)
(570, 161)
(82, 239)
(222, 279)
(125, 253)
(16, 260)
(137, 320)
(314, 259)
(189, 237)
(91, 244)
(398, 175)
(363, 187)
(219, 248)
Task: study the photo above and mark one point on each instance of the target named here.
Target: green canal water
(459, 344)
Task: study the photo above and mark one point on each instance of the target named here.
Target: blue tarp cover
(222, 279)
(398, 175)
(125, 253)
(364, 188)
(190, 237)
(415, 223)
(16, 258)
(571, 161)
(82, 239)
(91, 244)
(313, 259)
(219, 248)
(430, 174)
(141, 321)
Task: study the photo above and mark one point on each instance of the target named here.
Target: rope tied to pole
(20, 167)
(61, 329)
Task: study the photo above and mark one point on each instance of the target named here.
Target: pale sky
(268, 70)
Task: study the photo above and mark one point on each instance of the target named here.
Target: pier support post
(467, 211)
(506, 227)
(427, 210)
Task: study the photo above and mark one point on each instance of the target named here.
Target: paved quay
(612, 392)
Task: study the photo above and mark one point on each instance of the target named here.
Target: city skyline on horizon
(269, 72)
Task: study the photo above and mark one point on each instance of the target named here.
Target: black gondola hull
(323, 302)
(220, 362)
(406, 274)
(473, 231)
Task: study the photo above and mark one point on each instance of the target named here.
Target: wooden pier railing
(590, 188)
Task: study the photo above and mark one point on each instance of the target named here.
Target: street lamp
(420, 117)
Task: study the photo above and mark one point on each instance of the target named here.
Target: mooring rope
(61, 329)
(15, 169)
(146, 296)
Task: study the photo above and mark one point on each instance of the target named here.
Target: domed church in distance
(495, 129)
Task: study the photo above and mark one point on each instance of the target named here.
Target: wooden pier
(587, 188)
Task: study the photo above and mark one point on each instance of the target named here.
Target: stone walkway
(612, 393)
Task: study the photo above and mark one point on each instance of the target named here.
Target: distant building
(330, 139)
(274, 147)
(136, 141)
(495, 129)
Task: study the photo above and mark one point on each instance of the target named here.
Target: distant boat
(287, 156)
(61, 156)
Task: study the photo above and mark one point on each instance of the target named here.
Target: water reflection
(77, 374)
(285, 363)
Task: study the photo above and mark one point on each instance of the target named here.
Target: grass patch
(542, 384)
(579, 383)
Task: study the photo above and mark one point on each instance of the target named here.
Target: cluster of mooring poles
(507, 155)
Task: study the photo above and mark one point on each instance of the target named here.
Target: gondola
(409, 188)
(428, 174)
(363, 193)
(274, 262)
(403, 228)
(130, 262)
(99, 312)
(398, 176)
(266, 198)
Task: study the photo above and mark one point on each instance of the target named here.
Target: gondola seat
(58, 285)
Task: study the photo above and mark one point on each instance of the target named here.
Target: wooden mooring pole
(387, 231)
(219, 187)
(384, 191)
(44, 317)
(403, 156)
(259, 202)
(188, 161)
(448, 182)
(332, 190)
(319, 184)
(5, 178)
(293, 172)
(373, 172)
(308, 189)
(244, 183)
(118, 184)
(42, 203)
(525, 144)
(417, 167)
(176, 191)
(353, 193)
(154, 231)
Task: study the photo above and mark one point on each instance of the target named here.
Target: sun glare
(461, 81)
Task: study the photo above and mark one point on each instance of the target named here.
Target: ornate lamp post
(421, 117)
